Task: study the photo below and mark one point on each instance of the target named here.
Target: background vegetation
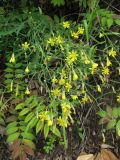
(59, 73)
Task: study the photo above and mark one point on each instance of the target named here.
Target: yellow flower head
(105, 71)
(94, 68)
(68, 86)
(98, 88)
(74, 97)
(75, 35)
(80, 30)
(25, 45)
(54, 80)
(108, 63)
(51, 41)
(17, 92)
(12, 59)
(66, 24)
(61, 81)
(59, 40)
(75, 76)
(87, 61)
(56, 92)
(118, 133)
(44, 116)
(101, 35)
(72, 56)
(61, 122)
(112, 53)
(118, 98)
(84, 99)
(27, 92)
(27, 70)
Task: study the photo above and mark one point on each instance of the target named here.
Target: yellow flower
(27, 92)
(87, 61)
(72, 56)
(56, 92)
(94, 67)
(27, 70)
(101, 35)
(74, 97)
(75, 76)
(50, 122)
(75, 35)
(108, 63)
(98, 88)
(59, 40)
(54, 80)
(80, 30)
(68, 86)
(66, 109)
(112, 53)
(25, 45)
(66, 24)
(44, 116)
(103, 79)
(12, 59)
(63, 95)
(105, 71)
(61, 122)
(61, 81)
(84, 100)
(51, 42)
(118, 98)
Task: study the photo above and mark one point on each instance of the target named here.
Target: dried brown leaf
(109, 154)
(28, 150)
(23, 156)
(104, 120)
(86, 157)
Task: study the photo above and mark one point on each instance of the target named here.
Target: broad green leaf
(115, 112)
(39, 126)
(46, 130)
(111, 124)
(119, 111)
(102, 113)
(9, 70)
(20, 71)
(33, 104)
(56, 131)
(24, 111)
(29, 100)
(19, 106)
(13, 137)
(29, 117)
(109, 22)
(17, 65)
(8, 75)
(117, 21)
(12, 124)
(103, 21)
(31, 124)
(11, 130)
(27, 135)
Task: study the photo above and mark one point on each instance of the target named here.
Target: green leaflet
(29, 117)
(19, 106)
(11, 130)
(29, 143)
(56, 131)
(24, 111)
(46, 130)
(111, 124)
(13, 137)
(27, 135)
(39, 126)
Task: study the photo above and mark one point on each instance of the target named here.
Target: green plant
(49, 144)
(111, 117)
